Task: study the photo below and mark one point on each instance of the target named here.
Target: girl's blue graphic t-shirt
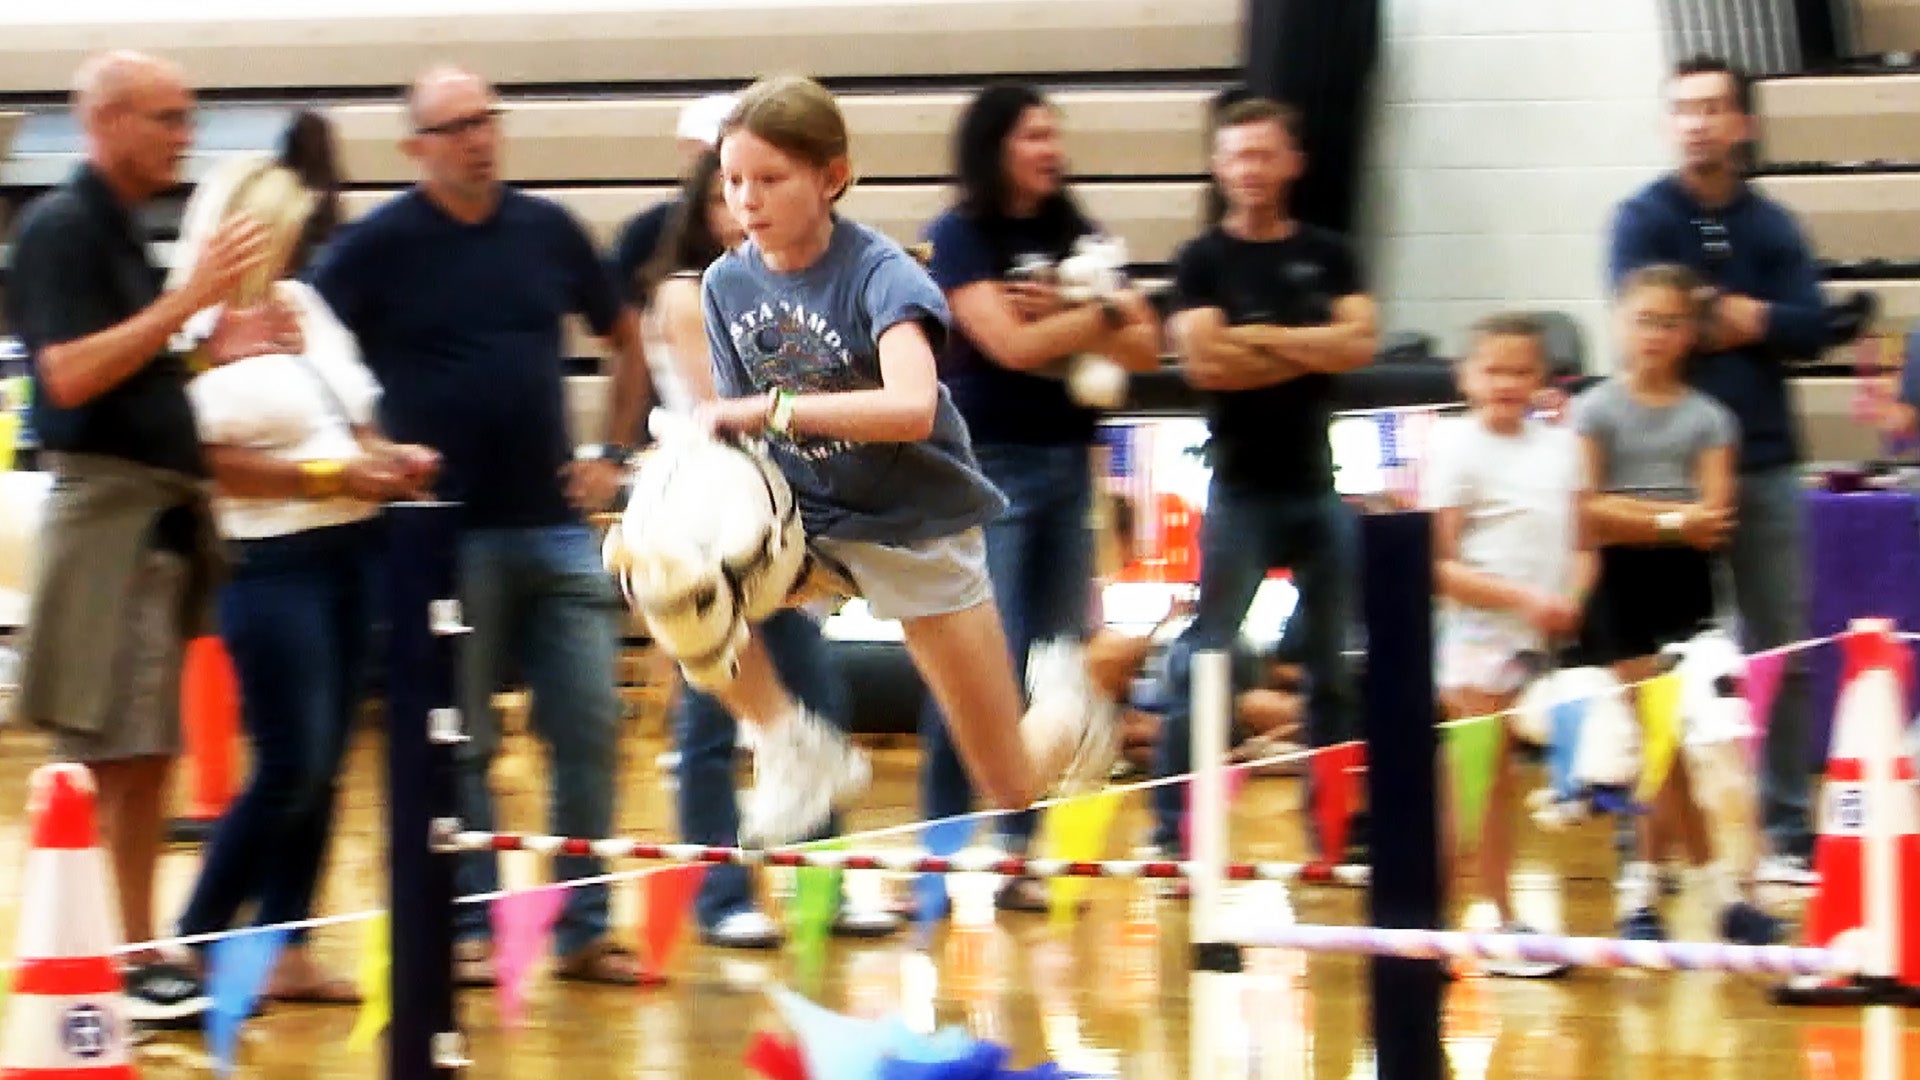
(818, 331)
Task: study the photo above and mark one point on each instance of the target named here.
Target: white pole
(1882, 1035)
(1887, 814)
(1211, 718)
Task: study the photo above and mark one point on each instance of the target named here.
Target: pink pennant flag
(521, 922)
(1232, 781)
(1762, 684)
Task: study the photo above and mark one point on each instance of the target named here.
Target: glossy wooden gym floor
(1056, 997)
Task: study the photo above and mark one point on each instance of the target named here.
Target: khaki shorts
(145, 718)
(909, 581)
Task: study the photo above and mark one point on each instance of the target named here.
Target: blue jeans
(1245, 534)
(543, 609)
(1040, 560)
(705, 731)
(294, 619)
(1767, 558)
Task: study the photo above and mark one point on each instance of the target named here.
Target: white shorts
(1474, 652)
(909, 581)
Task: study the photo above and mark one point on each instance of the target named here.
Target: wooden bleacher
(1887, 26)
(1153, 217)
(669, 41)
(1840, 151)
(1866, 214)
(898, 136)
(1841, 118)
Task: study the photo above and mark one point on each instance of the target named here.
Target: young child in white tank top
(1512, 569)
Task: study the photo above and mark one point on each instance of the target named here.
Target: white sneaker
(857, 920)
(802, 770)
(744, 930)
(1523, 969)
(1069, 729)
(1786, 870)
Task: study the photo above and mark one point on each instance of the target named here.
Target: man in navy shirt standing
(1766, 313)
(458, 291)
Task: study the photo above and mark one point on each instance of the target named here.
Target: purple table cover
(1864, 551)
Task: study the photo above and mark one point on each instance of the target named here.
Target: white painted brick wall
(1507, 131)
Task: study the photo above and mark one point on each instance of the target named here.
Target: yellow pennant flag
(1659, 701)
(376, 1004)
(1075, 830)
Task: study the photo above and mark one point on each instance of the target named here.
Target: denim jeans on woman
(1040, 559)
(544, 612)
(706, 734)
(1767, 557)
(294, 619)
(1244, 535)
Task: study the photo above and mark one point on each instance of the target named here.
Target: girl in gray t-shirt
(822, 333)
(1660, 468)
(1660, 458)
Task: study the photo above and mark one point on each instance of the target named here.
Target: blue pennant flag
(835, 1046)
(238, 967)
(1567, 716)
(930, 902)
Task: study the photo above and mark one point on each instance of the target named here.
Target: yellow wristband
(322, 479)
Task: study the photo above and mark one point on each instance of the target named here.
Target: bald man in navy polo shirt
(458, 291)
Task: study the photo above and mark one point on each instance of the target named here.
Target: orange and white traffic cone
(210, 728)
(66, 1018)
(1868, 852)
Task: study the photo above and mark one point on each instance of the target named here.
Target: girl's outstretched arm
(901, 409)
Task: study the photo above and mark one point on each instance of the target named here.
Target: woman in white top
(700, 231)
(285, 412)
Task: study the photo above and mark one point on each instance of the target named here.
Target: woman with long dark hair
(1000, 366)
(701, 230)
(307, 148)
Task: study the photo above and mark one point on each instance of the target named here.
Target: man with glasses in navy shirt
(458, 292)
(1766, 314)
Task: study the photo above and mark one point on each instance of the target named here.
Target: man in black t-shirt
(124, 564)
(1268, 310)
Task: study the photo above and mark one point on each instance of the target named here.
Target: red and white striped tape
(903, 860)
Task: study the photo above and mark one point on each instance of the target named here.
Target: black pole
(422, 726)
(1319, 56)
(1822, 40)
(1397, 590)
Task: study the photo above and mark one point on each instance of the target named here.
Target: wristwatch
(619, 455)
(1669, 524)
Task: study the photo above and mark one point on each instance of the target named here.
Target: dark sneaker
(164, 996)
(1643, 925)
(1743, 924)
